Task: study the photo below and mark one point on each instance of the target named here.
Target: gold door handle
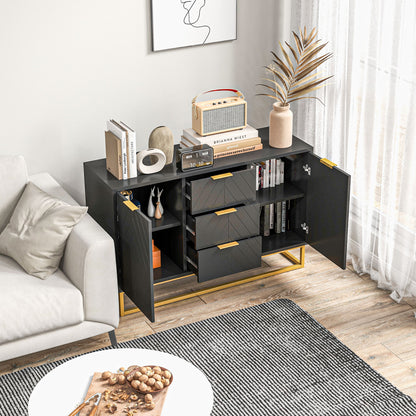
(130, 205)
(327, 163)
(222, 176)
(228, 245)
(225, 211)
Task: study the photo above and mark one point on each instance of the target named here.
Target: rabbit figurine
(159, 193)
(151, 207)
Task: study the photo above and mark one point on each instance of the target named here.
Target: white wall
(68, 66)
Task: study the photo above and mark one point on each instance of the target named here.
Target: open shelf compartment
(283, 192)
(279, 242)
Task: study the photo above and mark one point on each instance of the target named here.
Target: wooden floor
(365, 318)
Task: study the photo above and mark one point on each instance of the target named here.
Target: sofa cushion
(38, 229)
(30, 306)
(13, 179)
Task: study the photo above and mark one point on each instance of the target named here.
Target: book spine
(282, 171)
(277, 178)
(239, 151)
(220, 138)
(259, 176)
(236, 145)
(271, 216)
(278, 219)
(267, 174)
(256, 166)
(283, 216)
(265, 221)
(131, 148)
(273, 172)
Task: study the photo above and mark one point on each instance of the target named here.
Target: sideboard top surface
(171, 172)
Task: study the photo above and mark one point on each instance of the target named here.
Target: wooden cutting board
(98, 385)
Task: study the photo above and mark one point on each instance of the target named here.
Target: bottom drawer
(225, 259)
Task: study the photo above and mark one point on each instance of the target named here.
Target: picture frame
(183, 23)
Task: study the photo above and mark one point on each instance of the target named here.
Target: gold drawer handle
(328, 163)
(130, 205)
(222, 176)
(225, 211)
(228, 245)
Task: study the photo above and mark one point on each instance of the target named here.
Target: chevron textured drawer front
(223, 226)
(222, 191)
(218, 261)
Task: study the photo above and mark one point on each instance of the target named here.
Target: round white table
(65, 387)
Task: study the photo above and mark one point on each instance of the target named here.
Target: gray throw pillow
(37, 232)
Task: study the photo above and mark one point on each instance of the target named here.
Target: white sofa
(79, 301)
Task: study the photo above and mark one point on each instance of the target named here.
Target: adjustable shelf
(279, 242)
(168, 220)
(283, 192)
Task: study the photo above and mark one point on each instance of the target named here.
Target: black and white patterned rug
(266, 360)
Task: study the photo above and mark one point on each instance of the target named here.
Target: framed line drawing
(180, 23)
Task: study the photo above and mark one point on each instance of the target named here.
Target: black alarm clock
(189, 158)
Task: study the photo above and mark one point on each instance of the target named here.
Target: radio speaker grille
(224, 118)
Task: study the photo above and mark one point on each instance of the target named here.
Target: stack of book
(225, 144)
(274, 218)
(120, 150)
(269, 173)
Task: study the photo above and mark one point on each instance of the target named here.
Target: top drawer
(220, 191)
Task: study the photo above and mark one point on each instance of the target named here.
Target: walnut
(167, 374)
(157, 377)
(113, 408)
(112, 380)
(143, 378)
(143, 387)
(150, 406)
(166, 382)
(143, 370)
(134, 397)
(135, 384)
(157, 370)
(148, 398)
(121, 379)
(158, 385)
(106, 375)
(151, 382)
(137, 375)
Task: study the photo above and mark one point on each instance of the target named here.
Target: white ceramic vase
(281, 123)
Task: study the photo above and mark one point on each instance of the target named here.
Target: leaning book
(114, 155)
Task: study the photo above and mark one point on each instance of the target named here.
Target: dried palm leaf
(293, 79)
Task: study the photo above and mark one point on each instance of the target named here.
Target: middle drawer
(223, 226)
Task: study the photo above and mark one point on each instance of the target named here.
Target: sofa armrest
(88, 261)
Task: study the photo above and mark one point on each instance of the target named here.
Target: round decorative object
(280, 131)
(162, 138)
(157, 166)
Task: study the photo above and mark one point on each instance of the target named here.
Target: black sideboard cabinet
(210, 225)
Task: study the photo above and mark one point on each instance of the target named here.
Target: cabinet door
(327, 206)
(135, 233)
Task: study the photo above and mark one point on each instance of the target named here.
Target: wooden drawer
(222, 226)
(219, 191)
(225, 259)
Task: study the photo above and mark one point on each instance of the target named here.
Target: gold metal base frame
(297, 263)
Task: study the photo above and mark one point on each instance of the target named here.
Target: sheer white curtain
(368, 127)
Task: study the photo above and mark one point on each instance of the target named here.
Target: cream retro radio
(217, 116)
